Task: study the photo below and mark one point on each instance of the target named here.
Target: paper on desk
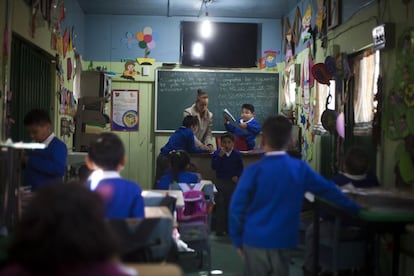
(22, 145)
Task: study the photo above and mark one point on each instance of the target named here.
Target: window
(366, 72)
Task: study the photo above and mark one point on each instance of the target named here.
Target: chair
(144, 240)
(196, 233)
(341, 253)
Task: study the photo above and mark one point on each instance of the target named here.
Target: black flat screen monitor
(230, 45)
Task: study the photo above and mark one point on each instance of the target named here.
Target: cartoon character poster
(129, 70)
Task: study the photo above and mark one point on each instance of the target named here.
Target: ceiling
(275, 9)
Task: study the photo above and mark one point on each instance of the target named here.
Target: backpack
(195, 206)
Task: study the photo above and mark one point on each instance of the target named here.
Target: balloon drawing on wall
(146, 40)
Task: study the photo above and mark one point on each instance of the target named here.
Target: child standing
(43, 166)
(227, 163)
(246, 131)
(266, 205)
(182, 139)
(179, 163)
(106, 158)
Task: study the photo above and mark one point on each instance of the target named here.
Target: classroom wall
(106, 36)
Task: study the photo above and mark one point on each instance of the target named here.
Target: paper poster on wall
(125, 113)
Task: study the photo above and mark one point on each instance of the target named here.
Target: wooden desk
(162, 193)
(386, 211)
(203, 162)
(161, 269)
(157, 212)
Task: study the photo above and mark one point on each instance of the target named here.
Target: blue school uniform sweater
(182, 139)
(266, 205)
(250, 133)
(367, 180)
(46, 165)
(183, 177)
(227, 166)
(122, 198)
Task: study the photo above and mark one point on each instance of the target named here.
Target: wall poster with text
(125, 113)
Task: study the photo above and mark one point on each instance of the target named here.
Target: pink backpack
(195, 207)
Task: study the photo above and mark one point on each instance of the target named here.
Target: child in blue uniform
(355, 172)
(106, 158)
(178, 172)
(182, 139)
(247, 130)
(228, 164)
(48, 165)
(266, 205)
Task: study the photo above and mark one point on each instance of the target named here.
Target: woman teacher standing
(202, 134)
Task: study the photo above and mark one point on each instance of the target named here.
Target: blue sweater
(227, 166)
(368, 180)
(266, 205)
(252, 130)
(46, 165)
(182, 139)
(183, 177)
(122, 198)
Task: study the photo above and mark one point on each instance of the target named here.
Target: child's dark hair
(228, 135)
(356, 161)
(277, 132)
(248, 107)
(179, 160)
(36, 117)
(190, 121)
(107, 151)
(63, 225)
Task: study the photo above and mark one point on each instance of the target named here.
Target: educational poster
(125, 115)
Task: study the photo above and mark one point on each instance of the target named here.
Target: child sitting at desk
(228, 164)
(43, 166)
(355, 174)
(247, 129)
(266, 205)
(178, 172)
(106, 158)
(182, 139)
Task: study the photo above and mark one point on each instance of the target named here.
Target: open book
(232, 120)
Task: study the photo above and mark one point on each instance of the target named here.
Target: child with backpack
(179, 161)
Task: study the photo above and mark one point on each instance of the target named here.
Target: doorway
(31, 83)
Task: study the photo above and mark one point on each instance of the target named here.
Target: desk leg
(396, 254)
(315, 240)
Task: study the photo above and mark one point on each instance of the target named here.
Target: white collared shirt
(97, 175)
(279, 152)
(49, 139)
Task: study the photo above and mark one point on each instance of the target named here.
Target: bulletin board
(124, 110)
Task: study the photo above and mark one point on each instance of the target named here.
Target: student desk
(157, 195)
(202, 161)
(385, 211)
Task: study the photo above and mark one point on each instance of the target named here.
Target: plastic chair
(339, 253)
(196, 233)
(144, 240)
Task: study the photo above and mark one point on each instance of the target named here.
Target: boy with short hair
(228, 164)
(266, 205)
(246, 131)
(48, 165)
(106, 158)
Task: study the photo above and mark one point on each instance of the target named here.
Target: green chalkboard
(177, 89)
